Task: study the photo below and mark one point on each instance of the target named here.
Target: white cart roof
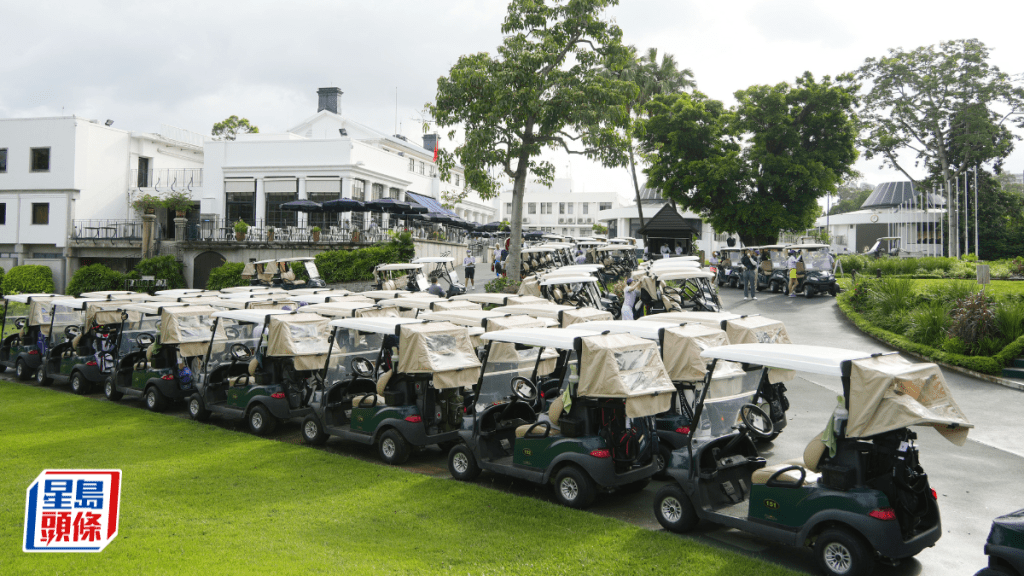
(411, 303)
(236, 289)
(253, 316)
(473, 317)
(710, 319)
(176, 292)
(406, 266)
(374, 325)
(383, 294)
(484, 297)
(560, 338)
(814, 359)
(682, 274)
(557, 280)
(433, 260)
(647, 330)
(24, 298)
(536, 310)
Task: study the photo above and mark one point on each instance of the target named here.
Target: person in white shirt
(629, 299)
(580, 258)
(469, 264)
(791, 267)
(679, 250)
(665, 252)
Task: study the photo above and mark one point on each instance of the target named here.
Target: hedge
(162, 268)
(984, 364)
(2, 272)
(353, 265)
(226, 275)
(28, 279)
(95, 278)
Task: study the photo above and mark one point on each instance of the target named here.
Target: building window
(41, 213)
(412, 165)
(508, 209)
(378, 192)
(561, 207)
(145, 173)
(358, 193)
(565, 231)
(3, 214)
(3, 160)
(40, 159)
(570, 208)
(278, 192)
(241, 206)
(423, 168)
(586, 208)
(458, 180)
(531, 208)
(604, 206)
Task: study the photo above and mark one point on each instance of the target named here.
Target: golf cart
(26, 325)
(444, 271)
(279, 273)
(262, 367)
(814, 271)
(886, 246)
(70, 356)
(858, 494)
(397, 400)
(155, 345)
(578, 291)
(406, 277)
(771, 272)
(1005, 546)
(678, 289)
(618, 260)
(595, 437)
(730, 269)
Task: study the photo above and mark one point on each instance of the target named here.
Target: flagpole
(977, 243)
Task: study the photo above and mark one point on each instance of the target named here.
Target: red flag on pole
(435, 149)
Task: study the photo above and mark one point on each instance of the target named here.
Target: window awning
(429, 203)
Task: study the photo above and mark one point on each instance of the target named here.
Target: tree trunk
(636, 186)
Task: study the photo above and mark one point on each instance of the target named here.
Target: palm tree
(652, 78)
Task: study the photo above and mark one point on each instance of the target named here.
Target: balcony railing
(221, 230)
(167, 179)
(112, 230)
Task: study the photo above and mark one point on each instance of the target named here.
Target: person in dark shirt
(749, 276)
(434, 288)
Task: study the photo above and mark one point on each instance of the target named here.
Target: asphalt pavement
(975, 483)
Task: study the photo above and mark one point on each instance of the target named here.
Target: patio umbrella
(302, 206)
(534, 234)
(490, 227)
(343, 205)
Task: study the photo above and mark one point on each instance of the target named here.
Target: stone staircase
(1016, 370)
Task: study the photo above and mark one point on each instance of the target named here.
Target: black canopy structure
(668, 226)
(392, 206)
(302, 206)
(534, 234)
(895, 194)
(343, 205)
(490, 227)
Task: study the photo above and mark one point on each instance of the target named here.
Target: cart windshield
(65, 317)
(230, 334)
(502, 366)
(723, 402)
(314, 274)
(352, 344)
(778, 259)
(16, 313)
(817, 260)
(130, 337)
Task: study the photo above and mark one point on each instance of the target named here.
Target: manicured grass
(997, 288)
(197, 499)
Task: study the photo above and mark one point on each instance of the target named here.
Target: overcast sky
(190, 64)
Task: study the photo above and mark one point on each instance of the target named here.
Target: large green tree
(760, 167)
(231, 127)
(542, 90)
(851, 195)
(652, 77)
(946, 105)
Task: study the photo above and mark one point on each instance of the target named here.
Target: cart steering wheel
(362, 367)
(523, 389)
(757, 421)
(239, 351)
(144, 340)
(71, 331)
(232, 332)
(19, 323)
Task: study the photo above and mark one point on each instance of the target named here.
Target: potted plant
(179, 201)
(147, 204)
(241, 228)
(316, 233)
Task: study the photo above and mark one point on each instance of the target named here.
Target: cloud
(799, 21)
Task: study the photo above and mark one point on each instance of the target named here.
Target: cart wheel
(662, 458)
(461, 463)
(808, 291)
(41, 378)
(832, 290)
(392, 448)
(843, 554)
(78, 383)
(196, 410)
(21, 370)
(988, 571)
(3, 368)
(261, 421)
(312, 432)
(673, 509)
(574, 488)
(155, 400)
(110, 390)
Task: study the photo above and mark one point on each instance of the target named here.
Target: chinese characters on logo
(72, 510)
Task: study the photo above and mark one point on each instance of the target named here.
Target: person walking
(629, 299)
(497, 263)
(504, 262)
(469, 263)
(791, 267)
(749, 279)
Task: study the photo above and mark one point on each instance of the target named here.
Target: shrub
(1010, 320)
(973, 320)
(28, 279)
(928, 323)
(1017, 266)
(95, 278)
(226, 275)
(161, 268)
(352, 265)
(503, 285)
(2, 272)
(952, 292)
(892, 295)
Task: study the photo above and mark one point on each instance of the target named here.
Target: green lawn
(997, 288)
(200, 499)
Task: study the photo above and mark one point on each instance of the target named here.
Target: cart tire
(989, 571)
(78, 383)
(662, 458)
(197, 410)
(392, 448)
(462, 464)
(832, 290)
(312, 432)
(842, 553)
(261, 421)
(41, 378)
(673, 509)
(21, 370)
(808, 291)
(154, 399)
(110, 390)
(634, 487)
(3, 368)
(574, 488)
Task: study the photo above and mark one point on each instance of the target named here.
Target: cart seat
(812, 457)
(554, 413)
(245, 379)
(370, 399)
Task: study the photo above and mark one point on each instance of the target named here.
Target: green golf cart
(596, 437)
(26, 324)
(1005, 546)
(857, 495)
(396, 383)
(261, 367)
(77, 350)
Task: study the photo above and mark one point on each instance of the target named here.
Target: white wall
(19, 135)
(101, 172)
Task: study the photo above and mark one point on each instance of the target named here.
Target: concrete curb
(1015, 385)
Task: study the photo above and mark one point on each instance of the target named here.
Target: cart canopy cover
(506, 351)
(570, 317)
(443, 305)
(302, 336)
(761, 330)
(191, 327)
(273, 305)
(442, 348)
(40, 309)
(682, 347)
(625, 366)
(526, 300)
(889, 393)
(530, 287)
(108, 313)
